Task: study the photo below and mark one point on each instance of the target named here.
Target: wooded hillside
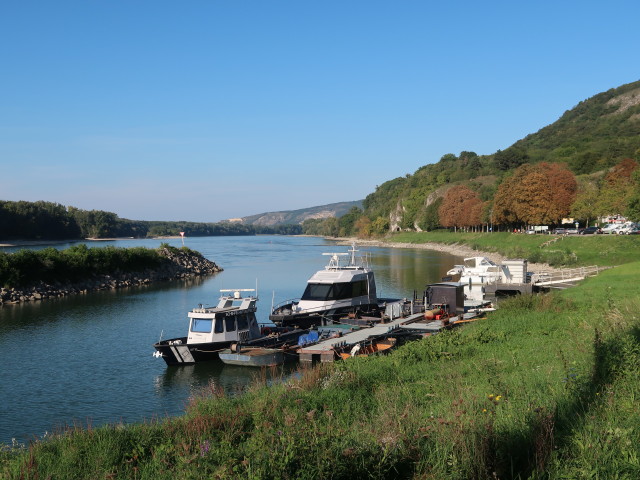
(584, 165)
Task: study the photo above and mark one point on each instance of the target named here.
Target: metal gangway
(565, 277)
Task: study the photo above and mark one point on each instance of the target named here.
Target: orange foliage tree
(617, 188)
(461, 207)
(535, 195)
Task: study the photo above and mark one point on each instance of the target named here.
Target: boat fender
(432, 314)
(266, 330)
(235, 347)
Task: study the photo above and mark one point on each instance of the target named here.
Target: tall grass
(546, 387)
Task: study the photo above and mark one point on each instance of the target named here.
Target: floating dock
(412, 324)
(324, 350)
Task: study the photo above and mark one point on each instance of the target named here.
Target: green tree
(511, 158)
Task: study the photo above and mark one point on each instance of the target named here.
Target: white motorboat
(340, 289)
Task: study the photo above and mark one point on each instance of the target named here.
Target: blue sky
(207, 110)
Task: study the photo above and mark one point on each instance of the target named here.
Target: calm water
(88, 359)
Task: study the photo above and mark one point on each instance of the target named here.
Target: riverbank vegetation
(53, 221)
(79, 263)
(546, 387)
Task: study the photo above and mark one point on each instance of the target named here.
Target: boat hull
(252, 357)
(177, 351)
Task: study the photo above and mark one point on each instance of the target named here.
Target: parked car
(560, 231)
(634, 231)
(611, 228)
(589, 231)
(626, 228)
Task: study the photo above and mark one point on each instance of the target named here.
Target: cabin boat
(475, 274)
(212, 329)
(481, 277)
(340, 289)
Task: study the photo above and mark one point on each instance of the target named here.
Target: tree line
(53, 221)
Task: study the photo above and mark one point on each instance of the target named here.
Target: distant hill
(296, 217)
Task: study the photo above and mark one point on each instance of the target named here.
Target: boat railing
(284, 303)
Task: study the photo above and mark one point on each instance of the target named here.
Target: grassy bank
(570, 250)
(546, 387)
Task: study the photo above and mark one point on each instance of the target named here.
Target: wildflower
(484, 410)
(204, 448)
(498, 398)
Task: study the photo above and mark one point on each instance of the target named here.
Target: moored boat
(252, 356)
(338, 290)
(212, 329)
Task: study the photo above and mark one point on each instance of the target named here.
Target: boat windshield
(334, 291)
(201, 325)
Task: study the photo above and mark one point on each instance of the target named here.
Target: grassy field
(570, 250)
(545, 387)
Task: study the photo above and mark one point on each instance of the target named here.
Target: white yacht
(341, 288)
(475, 274)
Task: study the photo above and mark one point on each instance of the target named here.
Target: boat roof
(233, 300)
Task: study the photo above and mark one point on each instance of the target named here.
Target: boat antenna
(256, 288)
(353, 253)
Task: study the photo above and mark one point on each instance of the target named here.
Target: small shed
(450, 294)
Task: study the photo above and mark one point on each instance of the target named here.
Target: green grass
(572, 250)
(546, 387)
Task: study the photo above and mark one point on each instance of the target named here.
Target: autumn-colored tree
(362, 227)
(461, 207)
(618, 188)
(563, 186)
(535, 195)
(621, 172)
(633, 206)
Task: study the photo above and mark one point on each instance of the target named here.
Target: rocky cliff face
(177, 265)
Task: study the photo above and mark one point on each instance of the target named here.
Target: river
(87, 360)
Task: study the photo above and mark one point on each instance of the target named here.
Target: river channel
(87, 360)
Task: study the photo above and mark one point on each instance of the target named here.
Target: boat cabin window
(201, 325)
(243, 322)
(335, 291)
(219, 326)
(230, 324)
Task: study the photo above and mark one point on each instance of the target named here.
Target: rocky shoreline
(179, 264)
